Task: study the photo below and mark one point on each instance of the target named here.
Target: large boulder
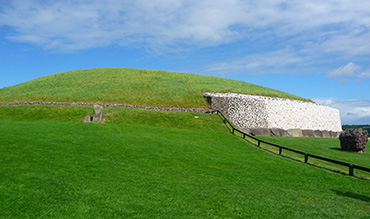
(354, 140)
(98, 114)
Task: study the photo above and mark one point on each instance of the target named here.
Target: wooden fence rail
(306, 155)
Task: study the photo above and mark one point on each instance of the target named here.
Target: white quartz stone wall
(247, 111)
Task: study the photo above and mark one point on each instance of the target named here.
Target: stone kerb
(257, 112)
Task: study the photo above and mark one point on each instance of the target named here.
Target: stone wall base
(291, 132)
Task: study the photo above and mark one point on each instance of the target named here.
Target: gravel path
(197, 110)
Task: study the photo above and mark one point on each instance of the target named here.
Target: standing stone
(87, 119)
(98, 114)
(354, 140)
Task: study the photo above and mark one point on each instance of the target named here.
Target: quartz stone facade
(247, 111)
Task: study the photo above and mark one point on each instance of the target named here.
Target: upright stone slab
(98, 114)
(354, 140)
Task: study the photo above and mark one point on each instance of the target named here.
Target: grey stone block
(307, 133)
(278, 132)
(295, 132)
(87, 119)
(260, 132)
(317, 134)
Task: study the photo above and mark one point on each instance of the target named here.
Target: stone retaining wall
(256, 112)
(255, 115)
(196, 110)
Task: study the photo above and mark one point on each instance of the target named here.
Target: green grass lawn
(114, 115)
(326, 147)
(62, 168)
(131, 86)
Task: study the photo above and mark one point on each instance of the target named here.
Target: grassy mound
(130, 86)
(153, 164)
(55, 168)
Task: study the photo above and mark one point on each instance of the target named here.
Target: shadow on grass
(339, 149)
(225, 123)
(301, 160)
(353, 195)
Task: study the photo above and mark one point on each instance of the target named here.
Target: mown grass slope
(131, 86)
(151, 164)
(326, 147)
(54, 166)
(113, 115)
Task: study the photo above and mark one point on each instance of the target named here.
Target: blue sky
(314, 49)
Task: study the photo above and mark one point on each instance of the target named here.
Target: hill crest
(131, 86)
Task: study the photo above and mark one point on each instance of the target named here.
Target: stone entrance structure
(257, 112)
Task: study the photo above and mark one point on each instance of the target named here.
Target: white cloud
(365, 74)
(350, 43)
(256, 63)
(351, 111)
(66, 25)
(348, 70)
(349, 73)
(71, 25)
(285, 36)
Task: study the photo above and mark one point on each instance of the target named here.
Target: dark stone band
(196, 110)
